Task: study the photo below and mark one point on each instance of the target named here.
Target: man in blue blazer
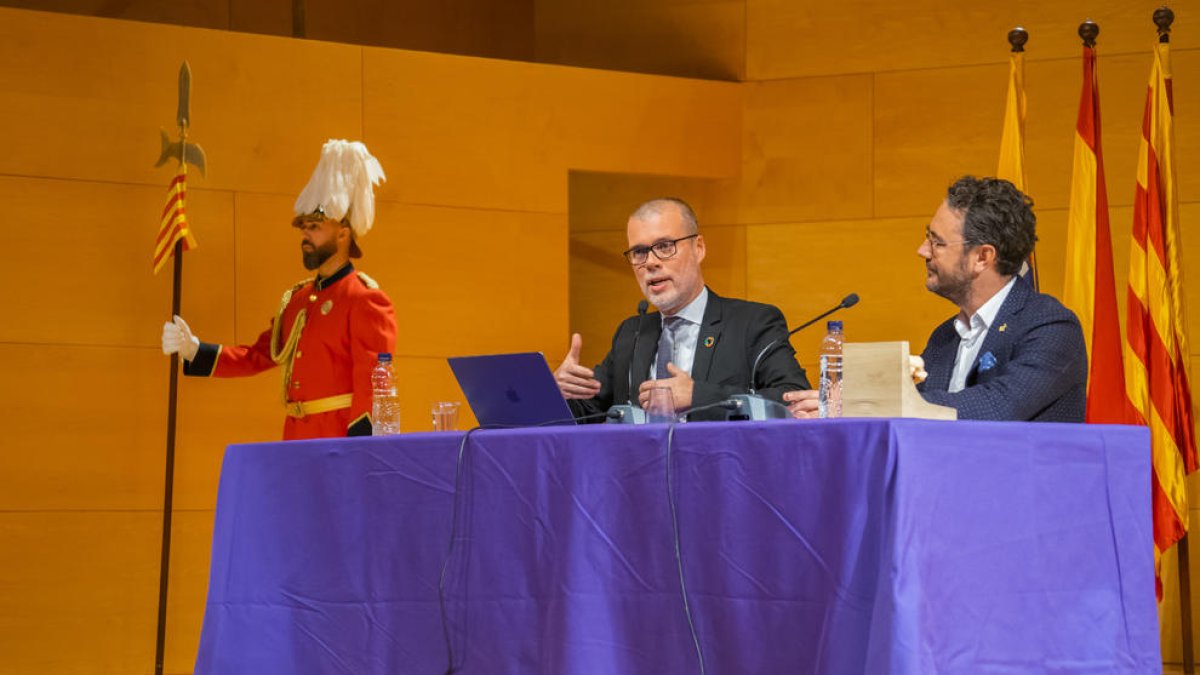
(1011, 353)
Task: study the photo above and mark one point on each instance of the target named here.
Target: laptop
(511, 389)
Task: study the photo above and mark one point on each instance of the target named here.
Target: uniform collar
(321, 284)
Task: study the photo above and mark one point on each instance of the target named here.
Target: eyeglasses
(937, 244)
(638, 255)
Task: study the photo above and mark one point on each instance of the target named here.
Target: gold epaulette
(368, 281)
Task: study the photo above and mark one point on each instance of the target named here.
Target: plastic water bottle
(830, 396)
(385, 408)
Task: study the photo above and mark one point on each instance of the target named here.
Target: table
(816, 546)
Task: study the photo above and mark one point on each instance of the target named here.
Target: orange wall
(471, 243)
(509, 185)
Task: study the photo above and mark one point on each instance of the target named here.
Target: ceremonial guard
(330, 328)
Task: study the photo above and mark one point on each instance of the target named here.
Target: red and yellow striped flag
(174, 225)
(1089, 288)
(1156, 349)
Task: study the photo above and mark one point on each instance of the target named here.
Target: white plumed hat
(343, 183)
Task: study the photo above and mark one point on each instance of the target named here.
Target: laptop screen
(511, 389)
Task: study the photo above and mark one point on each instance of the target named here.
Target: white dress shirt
(687, 333)
(972, 336)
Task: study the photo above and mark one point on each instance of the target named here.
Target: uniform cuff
(205, 361)
(360, 426)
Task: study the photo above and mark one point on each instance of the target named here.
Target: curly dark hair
(995, 212)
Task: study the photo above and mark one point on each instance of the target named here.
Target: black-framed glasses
(638, 255)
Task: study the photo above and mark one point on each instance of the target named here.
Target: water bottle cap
(385, 357)
(834, 325)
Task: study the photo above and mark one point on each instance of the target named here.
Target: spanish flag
(1156, 348)
(1089, 288)
(174, 225)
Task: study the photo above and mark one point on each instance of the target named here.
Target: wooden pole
(164, 565)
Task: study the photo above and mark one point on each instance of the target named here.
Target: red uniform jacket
(347, 322)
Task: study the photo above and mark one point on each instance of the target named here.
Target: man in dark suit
(1011, 353)
(698, 344)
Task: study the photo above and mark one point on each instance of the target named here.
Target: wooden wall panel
(92, 281)
(191, 539)
(437, 121)
(424, 381)
(261, 106)
(789, 39)
(926, 135)
(688, 38)
(79, 591)
(501, 29)
(604, 201)
(473, 281)
(198, 13)
(270, 17)
(806, 149)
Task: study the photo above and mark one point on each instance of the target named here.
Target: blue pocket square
(986, 362)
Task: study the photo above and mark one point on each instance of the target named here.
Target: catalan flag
(1012, 140)
(1089, 288)
(174, 225)
(1156, 349)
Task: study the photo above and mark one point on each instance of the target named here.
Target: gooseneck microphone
(629, 412)
(846, 303)
(642, 307)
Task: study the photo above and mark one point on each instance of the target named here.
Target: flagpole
(164, 566)
(1163, 18)
(184, 152)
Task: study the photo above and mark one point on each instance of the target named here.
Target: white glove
(177, 337)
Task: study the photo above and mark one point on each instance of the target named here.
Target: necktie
(666, 347)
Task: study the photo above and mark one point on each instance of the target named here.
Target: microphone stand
(754, 407)
(628, 413)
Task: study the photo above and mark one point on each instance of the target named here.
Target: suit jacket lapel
(710, 334)
(647, 346)
(996, 339)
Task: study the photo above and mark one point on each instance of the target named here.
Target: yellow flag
(1012, 141)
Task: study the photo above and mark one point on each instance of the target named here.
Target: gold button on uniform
(312, 298)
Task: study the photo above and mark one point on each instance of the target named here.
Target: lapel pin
(1002, 327)
(709, 341)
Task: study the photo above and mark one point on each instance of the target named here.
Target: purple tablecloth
(841, 546)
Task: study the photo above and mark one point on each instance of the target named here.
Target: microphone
(754, 406)
(628, 413)
(846, 303)
(637, 334)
